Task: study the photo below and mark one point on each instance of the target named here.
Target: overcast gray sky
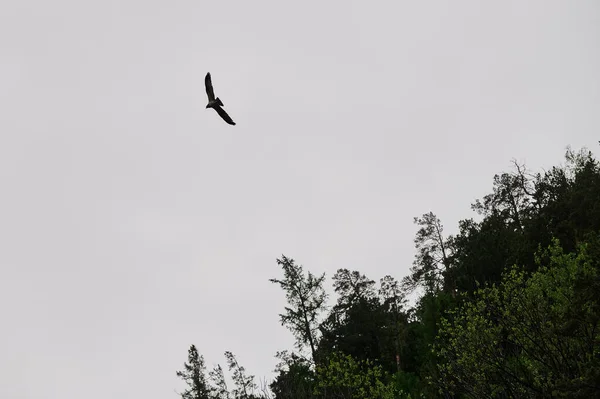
(133, 222)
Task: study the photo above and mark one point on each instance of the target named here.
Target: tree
(352, 287)
(482, 328)
(360, 324)
(483, 250)
(536, 336)
(394, 300)
(193, 375)
(295, 378)
(217, 378)
(433, 259)
(306, 299)
(362, 332)
(343, 377)
(511, 197)
(571, 200)
(199, 388)
(245, 385)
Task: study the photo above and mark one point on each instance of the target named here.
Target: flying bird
(215, 103)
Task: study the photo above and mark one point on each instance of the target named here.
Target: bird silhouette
(215, 103)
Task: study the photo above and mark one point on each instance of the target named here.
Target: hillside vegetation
(510, 307)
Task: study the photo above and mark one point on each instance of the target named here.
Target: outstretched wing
(223, 114)
(209, 88)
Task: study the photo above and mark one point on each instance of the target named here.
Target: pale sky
(134, 222)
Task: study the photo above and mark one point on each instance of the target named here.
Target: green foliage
(528, 336)
(406, 385)
(422, 332)
(344, 377)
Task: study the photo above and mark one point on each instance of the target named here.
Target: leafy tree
(306, 299)
(406, 385)
(527, 337)
(343, 377)
(422, 331)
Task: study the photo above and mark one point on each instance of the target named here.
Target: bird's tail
(219, 101)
